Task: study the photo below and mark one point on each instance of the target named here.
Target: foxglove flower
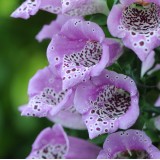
(107, 102)
(157, 103)
(148, 63)
(53, 143)
(155, 69)
(48, 31)
(81, 51)
(137, 22)
(131, 144)
(47, 99)
(68, 7)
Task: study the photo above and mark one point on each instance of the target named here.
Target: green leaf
(100, 19)
(110, 3)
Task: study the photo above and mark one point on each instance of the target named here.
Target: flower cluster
(78, 90)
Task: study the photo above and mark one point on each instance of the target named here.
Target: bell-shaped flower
(54, 143)
(81, 51)
(47, 99)
(107, 103)
(137, 22)
(157, 103)
(68, 7)
(148, 63)
(130, 144)
(48, 31)
(155, 69)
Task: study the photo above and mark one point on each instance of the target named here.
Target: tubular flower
(53, 143)
(68, 7)
(157, 103)
(48, 31)
(131, 144)
(155, 69)
(47, 99)
(137, 22)
(81, 51)
(107, 102)
(148, 63)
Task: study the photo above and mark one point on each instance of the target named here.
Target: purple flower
(68, 7)
(157, 103)
(48, 31)
(81, 51)
(148, 63)
(131, 144)
(107, 102)
(156, 68)
(53, 143)
(47, 99)
(137, 23)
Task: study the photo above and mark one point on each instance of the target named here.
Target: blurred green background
(20, 57)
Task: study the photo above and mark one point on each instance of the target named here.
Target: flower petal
(126, 142)
(77, 29)
(46, 98)
(148, 63)
(156, 68)
(51, 143)
(84, 7)
(127, 2)
(28, 8)
(141, 44)
(52, 6)
(69, 118)
(53, 28)
(81, 149)
(86, 54)
(114, 18)
(107, 103)
(157, 103)
(138, 28)
(31, 7)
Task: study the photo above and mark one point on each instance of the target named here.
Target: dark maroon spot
(151, 33)
(68, 71)
(73, 69)
(141, 43)
(99, 119)
(133, 33)
(35, 107)
(67, 3)
(92, 111)
(98, 129)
